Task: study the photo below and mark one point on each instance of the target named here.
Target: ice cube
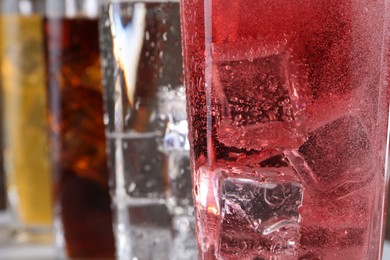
(270, 164)
(263, 203)
(316, 236)
(145, 164)
(179, 197)
(340, 155)
(175, 145)
(175, 137)
(261, 95)
(184, 239)
(172, 111)
(332, 243)
(259, 219)
(336, 211)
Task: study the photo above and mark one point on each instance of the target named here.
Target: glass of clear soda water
(146, 130)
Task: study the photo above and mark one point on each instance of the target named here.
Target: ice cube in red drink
(259, 219)
(261, 94)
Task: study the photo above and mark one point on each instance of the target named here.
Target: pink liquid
(288, 120)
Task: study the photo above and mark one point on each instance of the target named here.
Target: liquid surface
(288, 119)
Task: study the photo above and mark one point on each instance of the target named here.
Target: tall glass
(3, 191)
(147, 130)
(24, 117)
(83, 223)
(288, 116)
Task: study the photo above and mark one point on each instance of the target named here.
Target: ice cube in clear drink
(262, 93)
(175, 145)
(260, 219)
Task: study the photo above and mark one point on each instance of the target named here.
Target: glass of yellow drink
(24, 117)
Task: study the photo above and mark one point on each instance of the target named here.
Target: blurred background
(62, 134)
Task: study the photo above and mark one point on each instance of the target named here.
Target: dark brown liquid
(77, 137)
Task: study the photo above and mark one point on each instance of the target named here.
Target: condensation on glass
(288, 120)
(147, 130)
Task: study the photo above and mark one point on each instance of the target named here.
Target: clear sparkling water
(147, 130)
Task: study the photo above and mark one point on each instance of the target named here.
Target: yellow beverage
(25, 136)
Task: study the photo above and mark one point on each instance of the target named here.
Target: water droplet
(150, 184)
(238, 117)
(132, 187)
(256, 223)
(243, 245)
(106, 119)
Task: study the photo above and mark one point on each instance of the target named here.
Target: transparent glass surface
(288, 121)
(146, 128)
(83, 216)
(24, 124)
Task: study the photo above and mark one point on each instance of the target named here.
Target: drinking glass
(24, 128)
(83, 220)
(146, 129)
(288, 121)
(3, 192)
